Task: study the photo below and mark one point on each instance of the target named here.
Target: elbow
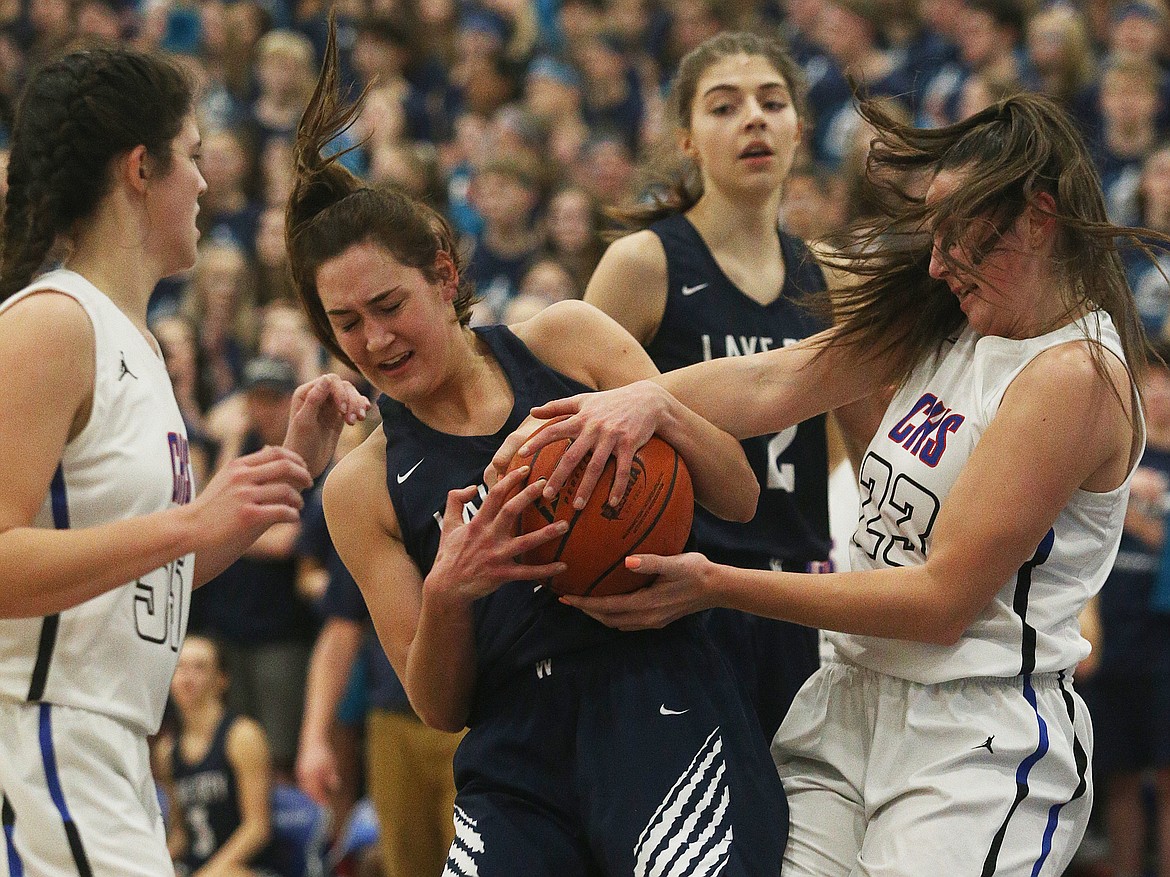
(441, 717)
(943, 627)
(745, 503)
(441, 721)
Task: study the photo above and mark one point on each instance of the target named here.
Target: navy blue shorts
(633, 759)
(771, 659)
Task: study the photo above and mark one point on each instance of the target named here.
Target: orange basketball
(654, 517)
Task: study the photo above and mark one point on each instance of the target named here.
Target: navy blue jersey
(207, 799)
(520, 626)
(706, 317)
(1134, 638)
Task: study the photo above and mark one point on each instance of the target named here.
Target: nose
(378, 335)
(938, 267)
(756, 117)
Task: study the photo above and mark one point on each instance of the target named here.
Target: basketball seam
(646, 532)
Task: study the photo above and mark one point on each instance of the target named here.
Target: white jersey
(114, 654)
(926, 437)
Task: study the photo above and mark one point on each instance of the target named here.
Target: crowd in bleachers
(523, 120)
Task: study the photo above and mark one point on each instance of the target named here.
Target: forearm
(329, 669)
(214, 559)
(903, 603)
(46, 571)
(239, 849)
(440, 665)
(768, 392)
(276, 543)
(723, 480)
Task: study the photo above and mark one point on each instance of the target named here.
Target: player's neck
(201, 721)
(738, 230)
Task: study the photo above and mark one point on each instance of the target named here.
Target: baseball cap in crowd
(269, 373)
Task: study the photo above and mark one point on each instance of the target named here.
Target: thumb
(644, 564)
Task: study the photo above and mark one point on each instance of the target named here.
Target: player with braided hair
(101, 535)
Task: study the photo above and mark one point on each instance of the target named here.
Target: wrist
(441, 594)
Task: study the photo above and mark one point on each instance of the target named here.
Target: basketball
(654, 517)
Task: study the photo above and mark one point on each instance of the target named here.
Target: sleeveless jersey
(706, 317)
(929, 431)
(207, 799)
(115, 653)
(519, 626)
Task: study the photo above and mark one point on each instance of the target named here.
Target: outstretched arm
(582, 342)
(47, 339)
(742, 395)
(1059, 429)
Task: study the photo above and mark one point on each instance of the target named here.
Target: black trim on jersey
(77, 850)
(1020, 602)
(40, 674)
(7, 814)
(59, 500)
(1079, 755)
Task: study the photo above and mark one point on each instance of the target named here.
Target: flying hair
(331, 210)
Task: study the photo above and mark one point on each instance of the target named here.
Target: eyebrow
(377, 299)
(724, 86)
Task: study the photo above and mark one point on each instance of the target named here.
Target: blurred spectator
(1149, 282)
(544, 283)
(1060, 52)
(218, 773)
(253, 606)
(1129, 109)
(387, 55)
(990, 37)
(219, 299)
(1135, 31)
(227, 213)
(607, 169)
(286, 71)
(811, 209)
(851, 32)
(505, 192)
(573, 233)
(612, 89)
(178, 338)
(273, 280)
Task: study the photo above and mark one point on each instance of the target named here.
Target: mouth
(757, 150)
(392, 366)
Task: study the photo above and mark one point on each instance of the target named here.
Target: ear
(686, 145)
(448, 275)
(134, 168)
(1040, 220)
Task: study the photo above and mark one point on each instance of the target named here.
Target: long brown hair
(331, 210)
(1009, 153)
(672, 180)
(75, 115)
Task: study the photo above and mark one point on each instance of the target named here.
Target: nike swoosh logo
(669, 712)
(402, 476)
(691, 290)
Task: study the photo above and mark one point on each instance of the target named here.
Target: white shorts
(975, 777)
(79, 797)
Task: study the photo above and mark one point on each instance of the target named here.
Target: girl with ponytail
(569, 769)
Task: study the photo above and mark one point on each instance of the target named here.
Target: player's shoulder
(641, 252)
(53, 317)
(358, 470)
(571, 336)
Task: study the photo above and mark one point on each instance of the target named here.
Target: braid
(75, 115)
